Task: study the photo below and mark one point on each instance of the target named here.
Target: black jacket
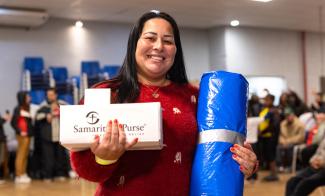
(14, 122)
(44, 128)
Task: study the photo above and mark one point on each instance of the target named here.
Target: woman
(153, 70)
(22, 124)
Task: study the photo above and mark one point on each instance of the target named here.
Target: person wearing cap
(292, 132)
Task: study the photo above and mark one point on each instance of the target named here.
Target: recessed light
(234, 23)
(264, 1)
(79, 24)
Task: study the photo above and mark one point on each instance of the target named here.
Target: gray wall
(59, 43)
(217, 48)
(250, 51)
(269, 52)
(266, 52)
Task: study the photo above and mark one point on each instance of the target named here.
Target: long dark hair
(21, 98)
(127, 85)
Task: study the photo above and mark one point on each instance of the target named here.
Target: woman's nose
(158, 45)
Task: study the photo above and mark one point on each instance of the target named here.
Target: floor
(83, 188)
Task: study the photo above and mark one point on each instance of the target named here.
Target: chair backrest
(60, 74)
(37, 96)
(34, 64)
(67, 98)
(91, 68)
(111, 70)
(75, 80)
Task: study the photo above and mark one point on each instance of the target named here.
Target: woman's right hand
(113, 144)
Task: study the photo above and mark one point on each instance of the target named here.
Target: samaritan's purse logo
(92, 117)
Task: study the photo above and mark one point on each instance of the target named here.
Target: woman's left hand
(246, 158)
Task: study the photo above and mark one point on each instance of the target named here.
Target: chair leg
(294, 159)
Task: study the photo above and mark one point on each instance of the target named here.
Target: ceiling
(299, 15)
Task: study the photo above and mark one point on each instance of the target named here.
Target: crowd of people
(38, 153)
(289, 124)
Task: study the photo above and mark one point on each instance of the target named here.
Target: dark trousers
(305, 182)
(307, 153)
(55, 160)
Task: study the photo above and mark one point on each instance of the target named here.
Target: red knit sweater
(163, 172)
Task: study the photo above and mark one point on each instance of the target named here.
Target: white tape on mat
(221, 135)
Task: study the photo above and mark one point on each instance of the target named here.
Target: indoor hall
(53, 51)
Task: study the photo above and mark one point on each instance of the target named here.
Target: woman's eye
(169, 42)
(149, 38)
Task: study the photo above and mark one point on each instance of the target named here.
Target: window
(275, 85)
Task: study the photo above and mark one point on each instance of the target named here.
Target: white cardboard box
(80, 123)
(93, 96)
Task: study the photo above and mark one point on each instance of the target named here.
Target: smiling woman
(153, 71)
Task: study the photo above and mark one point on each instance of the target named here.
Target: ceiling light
(264, 1)
(79, 24)
(234, 23)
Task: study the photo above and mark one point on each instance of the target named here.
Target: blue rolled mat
(221, 116)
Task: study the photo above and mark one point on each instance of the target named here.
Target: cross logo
(92, 117)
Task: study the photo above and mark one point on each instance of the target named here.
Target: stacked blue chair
(75, 80)
(110, 71)
(62, 85)
(60, 74)
(67, 98)
(39, 79)
(92, 70)
(37, 96)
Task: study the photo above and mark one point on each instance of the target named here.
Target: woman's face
(155, 50)
(28, 99)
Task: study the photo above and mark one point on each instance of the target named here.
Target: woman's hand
(246, 158)
(113, 144)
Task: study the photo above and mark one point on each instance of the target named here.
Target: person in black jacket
(22, 124)
(54, 156)
(3, 147)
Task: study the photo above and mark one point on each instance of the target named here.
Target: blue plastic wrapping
(222, 108)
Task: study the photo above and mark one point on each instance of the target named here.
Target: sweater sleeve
(282, 139)
(83, 162)
(299, 137)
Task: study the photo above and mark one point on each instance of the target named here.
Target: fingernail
(234, 156)
(110, 122)
(136, 139)
(120, 126)
(96, 137)
(232, 149)
(241, 168)
(236, 146)
(115, 121)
